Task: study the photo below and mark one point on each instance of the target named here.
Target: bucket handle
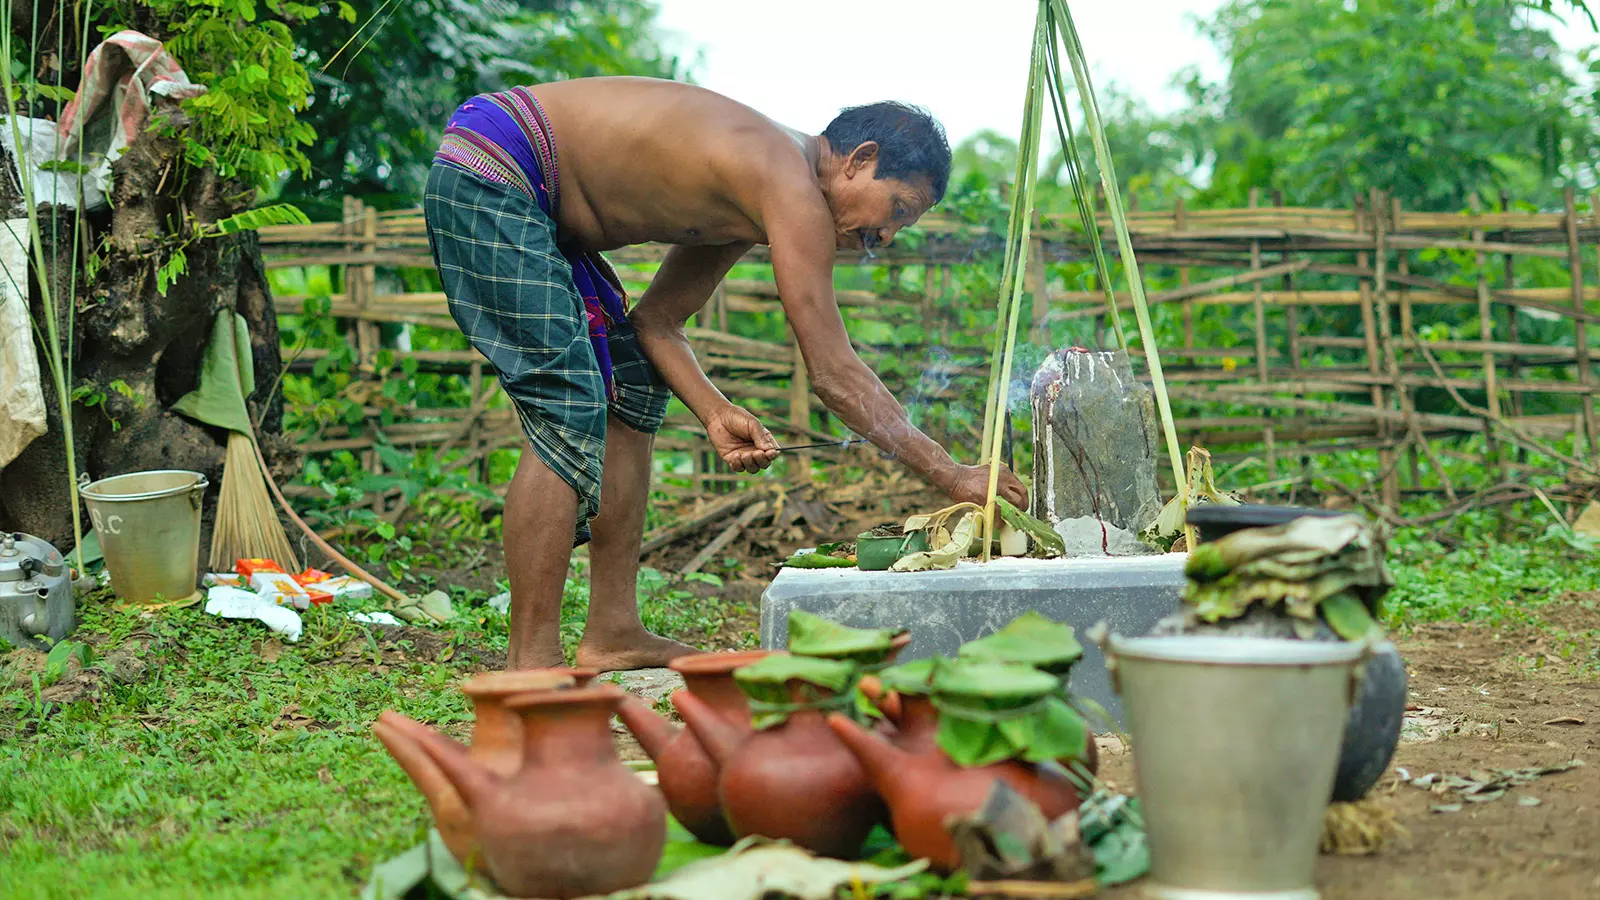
(197, 492)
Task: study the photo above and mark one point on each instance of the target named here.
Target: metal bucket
(149, 529)
(1235, 743)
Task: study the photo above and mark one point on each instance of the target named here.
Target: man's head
(887, 164)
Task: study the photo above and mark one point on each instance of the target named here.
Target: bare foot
(518, 658)
(635, 651)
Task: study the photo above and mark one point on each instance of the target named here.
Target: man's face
(868, 211)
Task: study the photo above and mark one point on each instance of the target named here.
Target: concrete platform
(946, 609)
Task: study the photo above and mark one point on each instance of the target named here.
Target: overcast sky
(966, 61)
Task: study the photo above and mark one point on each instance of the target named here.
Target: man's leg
(614, 638)
(541, 512)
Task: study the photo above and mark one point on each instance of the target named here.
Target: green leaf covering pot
(1030, 640)
(990, 712)
(912, 678)
(782, 683)
(876, 553)
(811, 635)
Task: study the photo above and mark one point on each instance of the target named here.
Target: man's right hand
(971, 485)
(741, 440)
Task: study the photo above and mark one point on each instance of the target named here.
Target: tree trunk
(138, 349)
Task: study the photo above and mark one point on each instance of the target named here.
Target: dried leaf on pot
(943, 555)
(993, 711)
(1030, 640)
(1306, 567)
(783, 683)
(812, 635)
(1008, 838)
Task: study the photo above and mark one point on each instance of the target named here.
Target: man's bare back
(645, 160)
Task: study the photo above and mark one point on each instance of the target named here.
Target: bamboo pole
(1130, 263)
(1021, 223)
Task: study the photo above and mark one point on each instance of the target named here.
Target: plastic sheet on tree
(51, 175)
(22, 414)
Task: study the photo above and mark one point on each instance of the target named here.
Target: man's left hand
(741, 440)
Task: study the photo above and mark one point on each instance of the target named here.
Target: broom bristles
(247, 525)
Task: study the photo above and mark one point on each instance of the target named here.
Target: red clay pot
(496, 730)
(924, 790)
(573, 820)
(687, 774)
(496, 743)
(794, 781)
(916, 726)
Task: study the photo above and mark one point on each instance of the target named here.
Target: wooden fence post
(800, 410)
(1262, 362)
(1580, 327)
(1178, 218)
(1380, 280)
(1039, 282)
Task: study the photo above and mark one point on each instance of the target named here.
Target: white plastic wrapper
(237, 603)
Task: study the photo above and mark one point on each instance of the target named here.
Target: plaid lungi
(511, 291)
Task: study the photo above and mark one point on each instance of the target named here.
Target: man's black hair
(911, 142)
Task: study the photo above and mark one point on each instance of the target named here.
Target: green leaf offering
(784, 683)
(811, 635)
(834, 555)
(1043, 536)
(989, 712)
(811, 559)
(1348, 617)
(1030, 640)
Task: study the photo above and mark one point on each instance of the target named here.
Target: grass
(242, 767)
(239, 766)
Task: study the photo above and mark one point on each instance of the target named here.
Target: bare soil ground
(1484, 699)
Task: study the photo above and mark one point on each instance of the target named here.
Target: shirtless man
(531, 184)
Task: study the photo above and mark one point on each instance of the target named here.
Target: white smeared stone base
(945, 609)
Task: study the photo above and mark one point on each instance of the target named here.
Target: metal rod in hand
(829, 444)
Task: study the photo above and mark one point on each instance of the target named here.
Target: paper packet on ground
(281, 589)
(238, 603)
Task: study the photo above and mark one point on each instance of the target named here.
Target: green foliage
(262, 217)
(1431, 100)
(385, 92)
(248, 124)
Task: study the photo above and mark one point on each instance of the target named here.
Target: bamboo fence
(1328, 354)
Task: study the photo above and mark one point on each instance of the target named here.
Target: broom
(247, 525)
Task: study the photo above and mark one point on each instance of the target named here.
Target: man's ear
(859, 158)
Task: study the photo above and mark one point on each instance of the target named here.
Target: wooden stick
(725, 537)
(665, 535)
(316, 539)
